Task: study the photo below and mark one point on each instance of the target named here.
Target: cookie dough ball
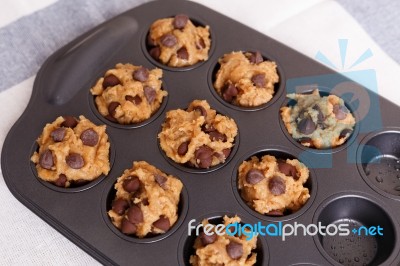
(224, 249)
(146, 201)
(318, 122)
(273, 187)
(129, 94)
(197, 136)
(245, 79)
(72, 152)
(176, 42)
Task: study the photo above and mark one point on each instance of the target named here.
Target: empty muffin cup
(379, 162)
(358, 231)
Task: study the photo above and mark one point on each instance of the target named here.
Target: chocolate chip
(69, 121)
(111, 108)
(131, 184)
(141, 74)
(207, 239)
(201, 110)
(155, 52)
(204, 156)
(89, 137)
(183, 148)
(150, 94)
(340, 111)
(110, 81)
(58, 134)
(254, 176)
(320, 117)
(161, 180)
(201, 44)
(234, 250)
(288, 170)
(127, 227)
(110, 118)
(162, 223)
(216, 136)
(145, 202)
(135, 214)
(226, 152)
(275, 213)
(182, 53)
(345, 132)
(255, 57)
(277, 185)
(61, 180)
(258, 80)
(207, 128)
(136, 100)
(229, 92)
(168, 40)
(150, 41)
(306, 126)
(180, 21)
(46, 160)
(305, 141)
(75, 161)
(119, 206)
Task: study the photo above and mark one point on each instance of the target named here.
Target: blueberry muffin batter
(129, 94)
(72, 152)
(318, 122)
(146, 201)
(177, 42)
(273, 187)
(198, 136)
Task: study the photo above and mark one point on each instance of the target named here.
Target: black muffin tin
(343, 183)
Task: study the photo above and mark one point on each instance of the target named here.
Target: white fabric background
(308, 26)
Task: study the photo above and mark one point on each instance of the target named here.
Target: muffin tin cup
(364, 246)
(279, 153)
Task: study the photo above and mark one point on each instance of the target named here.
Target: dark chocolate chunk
(46, 159)
(277, 185)
(155, 52)
(119, 206)
(75, 161)
(145, 202)
(110, 81)
(150, 94)
(275, 213)
(183, 148)
(69, 121)
(305, 141)
(136, 100)
(201, 44)
(163, 223)
(306, 126)
(201, 110)
(127, 227)
(111, 108)
(131, 184)
(345, 132)
(288, 170)
(229, 92)
(161, 180)
(89, 137)
(135, 214)
(320, 117)
(234, 250)
(207, 239)
(255, 57)
(254, 176)
(141, 74)
(259, 80)
(340, 111)
(180, 21)
(204, 156)
(58, 134)
(207, 128)
(182, 53)
(216, 136)
(168, 40)
(61, 180)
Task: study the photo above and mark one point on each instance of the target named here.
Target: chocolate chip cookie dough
(129, 94)
(245, 79)
(177, 42)
(273, 187)
(72, 152)
(216, 249)
(318, 122)
(146, 201)
(197, 136)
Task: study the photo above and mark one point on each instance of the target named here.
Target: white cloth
(308, 26)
